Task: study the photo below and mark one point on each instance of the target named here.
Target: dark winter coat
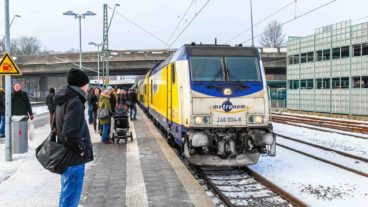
(112, 101)
(51, 105)
(21, 104)
(94, 102)
(2, 102)
(133, 97)
(69, 119)
(122, 98)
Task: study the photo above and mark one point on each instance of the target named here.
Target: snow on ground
(348, 144)
(316, 183)
(24, 182)
(39, 109)
(327, 155)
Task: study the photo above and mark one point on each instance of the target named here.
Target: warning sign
(8, 67)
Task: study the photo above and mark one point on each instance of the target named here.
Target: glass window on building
(365, 49)
(357, 82)
(310, 84)
(310, 57)
(296, 59)
(345, 52)
(357, 50)
(336, 83)
(326, 83)
(336, 53)
(303, 84)
(326, 54)
(303, 58)
(365, 81)
(291, 60)
(319, 55)
(295, 84)
(345, 82)
(319, 83)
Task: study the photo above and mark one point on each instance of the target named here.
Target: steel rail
(324, 148)
(324, 160)
(287, 196)
(323, 130)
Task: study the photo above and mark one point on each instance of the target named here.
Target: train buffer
(142, 172)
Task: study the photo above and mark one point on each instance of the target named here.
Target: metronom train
(212, 102)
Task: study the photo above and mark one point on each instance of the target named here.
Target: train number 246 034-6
(229, 119)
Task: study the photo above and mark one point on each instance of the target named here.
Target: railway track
(332, 124)
(329, 126)
(243, 187)
(354, 158)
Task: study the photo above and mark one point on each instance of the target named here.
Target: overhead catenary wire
(262, 20)
(195, 16)
(181, 20)
(295, 18)
(140, 27)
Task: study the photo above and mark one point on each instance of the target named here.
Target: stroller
(121, 125)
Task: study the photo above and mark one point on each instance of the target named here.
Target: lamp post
(98, 59)
(15, 16)
(80, 16)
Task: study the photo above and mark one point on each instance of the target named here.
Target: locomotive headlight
(227, 92)
(255, 119)
(202, 120)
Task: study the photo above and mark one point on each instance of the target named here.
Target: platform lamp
(98, 60)
(80, 16)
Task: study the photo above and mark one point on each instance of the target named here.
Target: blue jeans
(71, 186)
(105, 132)
(2, 124)
(133, 111)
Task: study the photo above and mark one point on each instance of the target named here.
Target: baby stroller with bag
(121, 125)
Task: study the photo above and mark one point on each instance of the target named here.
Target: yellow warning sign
(8, 66)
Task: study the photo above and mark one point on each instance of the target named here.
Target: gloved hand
(32, 117)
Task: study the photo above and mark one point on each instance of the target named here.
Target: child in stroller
(121, 125)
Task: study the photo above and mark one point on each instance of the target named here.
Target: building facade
(328, 71)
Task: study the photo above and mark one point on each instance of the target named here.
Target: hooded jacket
(71, 126)
(104, 102)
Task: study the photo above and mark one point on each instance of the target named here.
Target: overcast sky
(223, 19)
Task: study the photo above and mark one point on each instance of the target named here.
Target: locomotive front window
(242, 68)
(207, 69)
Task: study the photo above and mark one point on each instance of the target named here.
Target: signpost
(8, 68)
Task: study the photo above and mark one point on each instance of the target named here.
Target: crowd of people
(109, 99)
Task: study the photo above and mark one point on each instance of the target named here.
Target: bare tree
(272, 36)
(26, 46)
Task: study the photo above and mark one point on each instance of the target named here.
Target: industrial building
(328, 71)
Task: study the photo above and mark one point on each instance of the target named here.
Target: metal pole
(8, 150)
(98, 65)
(251, 20)
(80, 41)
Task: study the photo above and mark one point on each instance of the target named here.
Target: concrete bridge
(132, 62)
(49, 70)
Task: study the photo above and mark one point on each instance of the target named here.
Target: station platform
(143, 172)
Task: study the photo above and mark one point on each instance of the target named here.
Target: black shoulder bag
(52, 155)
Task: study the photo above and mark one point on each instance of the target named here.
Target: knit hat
(109, 88)
(77, 77)
(106, 92)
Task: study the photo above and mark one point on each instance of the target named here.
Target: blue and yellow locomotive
(212, 101)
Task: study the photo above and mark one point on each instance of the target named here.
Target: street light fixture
(80, 16)
(15, 16)
(98, 59)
